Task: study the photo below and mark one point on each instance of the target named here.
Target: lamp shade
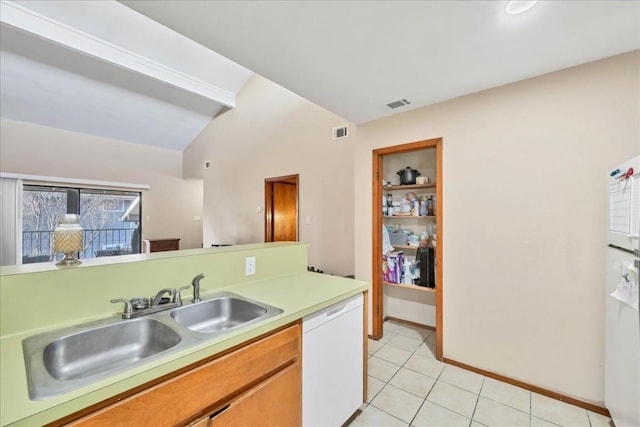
(67, 237)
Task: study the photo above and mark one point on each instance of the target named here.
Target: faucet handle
(128, 307)
(140, 303)
(176, 297)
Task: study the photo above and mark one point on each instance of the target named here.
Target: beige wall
(273, 132)
(524, 217)
(524, 201)
(168, 207)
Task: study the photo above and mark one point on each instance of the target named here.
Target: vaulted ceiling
(355, 57)
(156, 72)
(102, 69)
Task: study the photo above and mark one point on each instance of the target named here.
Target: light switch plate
(250, 266)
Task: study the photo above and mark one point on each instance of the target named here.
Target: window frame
(74, 195)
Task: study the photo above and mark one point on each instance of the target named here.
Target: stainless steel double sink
(65, 359)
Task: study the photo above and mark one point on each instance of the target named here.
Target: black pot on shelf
(408, 176)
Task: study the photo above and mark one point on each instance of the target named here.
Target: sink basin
(222, 314)
(65, 359)
(102, 349)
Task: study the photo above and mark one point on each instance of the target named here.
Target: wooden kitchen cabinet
(205, 422)
(258, 384)
(266, 404)
(161, 245)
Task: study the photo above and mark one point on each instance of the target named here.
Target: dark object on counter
(313, 269)
(408, 176)
(426, 263)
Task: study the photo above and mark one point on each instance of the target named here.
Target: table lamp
(67, 238)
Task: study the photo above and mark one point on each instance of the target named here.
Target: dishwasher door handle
(330, 313)
(337, 311)
(347, 306)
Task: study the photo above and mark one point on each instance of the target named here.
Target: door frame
(268, 204)
(376, 244)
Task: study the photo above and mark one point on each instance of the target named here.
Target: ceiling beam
(17, 16)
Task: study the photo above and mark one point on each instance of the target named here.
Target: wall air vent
(340, 132)
(396, 104)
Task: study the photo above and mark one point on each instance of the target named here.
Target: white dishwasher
(332, 370)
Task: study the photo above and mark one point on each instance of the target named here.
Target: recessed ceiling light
(515, 7)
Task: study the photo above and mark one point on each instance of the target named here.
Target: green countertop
(298, 294)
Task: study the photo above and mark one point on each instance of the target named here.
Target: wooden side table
(161, 245)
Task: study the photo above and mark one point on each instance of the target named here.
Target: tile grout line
(530, 409)
(403, 332)
(396, 373)
(478, 400)
(434, 384)
(424, 400)
(385, 383)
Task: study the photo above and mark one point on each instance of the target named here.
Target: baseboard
(355, 415)
(409, 322)
(552, 394)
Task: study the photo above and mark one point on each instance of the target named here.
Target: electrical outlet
(250, 266)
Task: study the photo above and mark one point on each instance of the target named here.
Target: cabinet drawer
(273, 403)
(191, 395)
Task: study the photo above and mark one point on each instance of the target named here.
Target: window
(110, 219)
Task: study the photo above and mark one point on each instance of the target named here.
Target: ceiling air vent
(340, 132)
(396, 104)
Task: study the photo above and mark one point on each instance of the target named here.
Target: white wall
(273, 132)
(524, 217)
(168, 207)
(524, 205)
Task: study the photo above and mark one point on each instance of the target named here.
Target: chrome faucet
(196, 287)
(156, 300)
(137, 307)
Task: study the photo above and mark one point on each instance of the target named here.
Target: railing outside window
(110, 220)
(36, 245)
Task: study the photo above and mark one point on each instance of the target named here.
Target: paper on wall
(628, 289)
(635, 205)
(624, 206)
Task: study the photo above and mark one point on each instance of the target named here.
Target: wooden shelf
(414, 287)
(403, 247)
(408, 217)
(408, 187)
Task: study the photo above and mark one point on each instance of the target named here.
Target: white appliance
(332, 364)
(622, 318)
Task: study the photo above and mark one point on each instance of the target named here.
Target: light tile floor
(409, 387)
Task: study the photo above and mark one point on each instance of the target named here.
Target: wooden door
(281, 209)
(285, 203)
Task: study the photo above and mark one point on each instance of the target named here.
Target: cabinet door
(191, 394)
(274, 402)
